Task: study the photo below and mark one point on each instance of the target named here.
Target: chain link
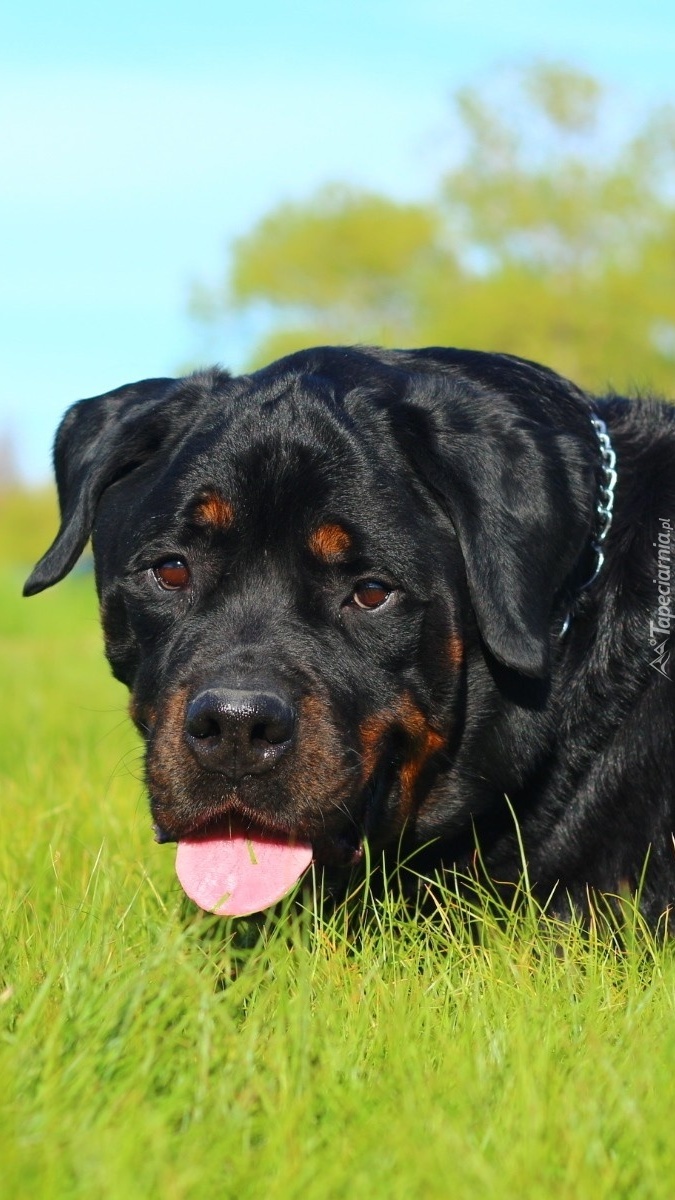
(604, 509)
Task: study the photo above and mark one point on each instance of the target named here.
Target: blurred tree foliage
(542, 240)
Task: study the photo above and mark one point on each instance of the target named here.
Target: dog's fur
(466, 486)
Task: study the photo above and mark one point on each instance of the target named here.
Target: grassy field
(148, 1050)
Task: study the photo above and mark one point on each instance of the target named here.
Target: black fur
(466, 483)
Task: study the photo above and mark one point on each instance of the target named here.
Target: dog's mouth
(235, 868)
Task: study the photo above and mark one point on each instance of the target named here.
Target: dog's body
(336, 588)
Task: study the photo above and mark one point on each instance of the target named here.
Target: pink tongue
(236, 874)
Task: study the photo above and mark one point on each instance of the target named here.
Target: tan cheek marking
(329, 542)
(424, 742)
(430, 743)
(214, 511)
(167, 756)
(320, 768)
(371, 734)
(455, 651)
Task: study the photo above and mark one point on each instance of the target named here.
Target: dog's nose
(239, 732)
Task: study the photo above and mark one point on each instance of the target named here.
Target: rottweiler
(394, 599)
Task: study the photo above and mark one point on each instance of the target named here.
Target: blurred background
(190, 183)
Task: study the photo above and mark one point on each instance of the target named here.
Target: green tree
(541, 241)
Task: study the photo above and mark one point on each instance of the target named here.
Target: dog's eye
(172, 574)
(371, 593)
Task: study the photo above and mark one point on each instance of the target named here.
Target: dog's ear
(514, 467)
(98, 441)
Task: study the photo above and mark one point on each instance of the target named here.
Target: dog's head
(313, 579)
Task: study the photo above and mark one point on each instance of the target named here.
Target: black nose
(239, 733)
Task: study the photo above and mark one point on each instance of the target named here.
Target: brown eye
(370, 594)
(172, 575)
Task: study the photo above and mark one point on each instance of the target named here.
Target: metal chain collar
(604, 509)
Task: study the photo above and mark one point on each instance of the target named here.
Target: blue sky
(137, 139)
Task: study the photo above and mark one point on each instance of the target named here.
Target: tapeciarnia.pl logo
(659, 629)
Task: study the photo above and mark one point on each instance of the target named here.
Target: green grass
(148, 1050)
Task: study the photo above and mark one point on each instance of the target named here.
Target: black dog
(401, 595)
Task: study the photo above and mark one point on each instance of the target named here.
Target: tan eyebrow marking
(329, 542)
(213, 510)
